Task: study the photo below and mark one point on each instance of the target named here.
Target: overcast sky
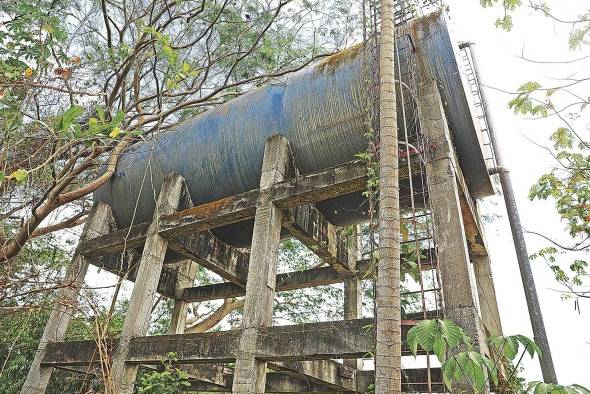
(501, 67)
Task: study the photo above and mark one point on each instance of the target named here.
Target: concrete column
(100, 221)
(353, 294)
(250, 373)
(146, 283)
(186, 276)
(453, 257)
(487, 294)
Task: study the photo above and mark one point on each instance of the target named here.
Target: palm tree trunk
(388, 351)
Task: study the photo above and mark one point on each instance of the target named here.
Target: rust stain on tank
(330, 63)
(419, 30)
(426, 22)
(204, 210)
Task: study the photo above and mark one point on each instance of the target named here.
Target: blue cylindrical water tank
(322, 110)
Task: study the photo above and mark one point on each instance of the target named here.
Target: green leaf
(424, 334)
(563, 138)
(448, 371)
(2, 176)
(100, 113)
(452, 333)
(115, 132)
(551, 92)
(117, 119)
(511, 5)
(70, 116)
(492, 370)
(529, 87)
(20, 176)
(439, 348)
(529, 345)
(580, 389)
(505, 23)
(412, 340)
(541, 388)
(511, 348)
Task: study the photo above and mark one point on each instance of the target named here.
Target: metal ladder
(480, 111)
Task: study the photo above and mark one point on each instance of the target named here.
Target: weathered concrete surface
(487, 294)
(473, 229)
(129, 264)
(308, 225)
(115, 241)
(227, 261)
(328, 373)
(146, 284)
(413, 380)
(295, 376)
(314, 187)
(250, 372)
(453, 255)
(284, 282)
(100, 221)
(353, 291)
(293, 192)
(186, 276)
(290, 281)
(275, 383)
(454, 264)
(310, 188)
(219, 378)
(317, 341)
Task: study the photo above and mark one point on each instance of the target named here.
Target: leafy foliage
(524, 104)
(80, 81)
(21, 332)
(461, 364)
(305, 305)
(170, 380)
(505, 22)
(454, 349)
(550, 388)
(568, 183)
(509, 346)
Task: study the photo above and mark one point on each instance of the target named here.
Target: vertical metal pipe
(528, 281)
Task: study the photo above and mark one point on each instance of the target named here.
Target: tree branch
(229, 305)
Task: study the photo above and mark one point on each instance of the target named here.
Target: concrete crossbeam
(308, 225)
(317, 341)
(314, 187)
(291, 281)
(206, 249)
